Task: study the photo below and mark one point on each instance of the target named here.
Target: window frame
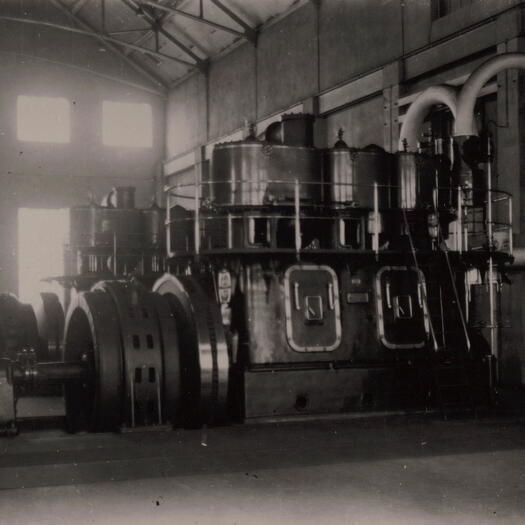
(26, 131)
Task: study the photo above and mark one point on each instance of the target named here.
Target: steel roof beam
(79, 4)
(99, 36)
(128, 31)
(114, 49)
(250, 32)
(156, 25)
(196, 18)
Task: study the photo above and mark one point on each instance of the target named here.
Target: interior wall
(362, 124)
(313, 50)
(62, 175)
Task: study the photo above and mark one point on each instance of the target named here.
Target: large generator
(301, 281)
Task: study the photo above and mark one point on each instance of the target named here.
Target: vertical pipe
(493, 370)
(297, 221)
(443, 339)
(230, 232)
(511, 233)
(375, 242)
(492, 327)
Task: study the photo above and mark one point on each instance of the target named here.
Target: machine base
(294, 392)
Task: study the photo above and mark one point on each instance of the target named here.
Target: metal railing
(483, 217)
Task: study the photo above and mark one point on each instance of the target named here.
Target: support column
(311, 106)
(510, 134)
(392, 78)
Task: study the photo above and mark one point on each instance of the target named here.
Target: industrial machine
(110, 240)
(300, 281)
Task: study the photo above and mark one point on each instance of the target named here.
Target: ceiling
(163, 39)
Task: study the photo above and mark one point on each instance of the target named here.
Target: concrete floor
(375, 471)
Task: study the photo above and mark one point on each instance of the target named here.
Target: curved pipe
(465, 124)
(419, 109)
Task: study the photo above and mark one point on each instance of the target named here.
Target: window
(127, 124)
(41, 237)
(43, 119)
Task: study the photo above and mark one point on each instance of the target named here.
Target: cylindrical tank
(416, 179)
(153, 225)
(255, 173)
(121, 225)
(351, 174)
(83, 224)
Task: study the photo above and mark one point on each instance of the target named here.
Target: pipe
(465, 124)
(53, 372)
(419, 109)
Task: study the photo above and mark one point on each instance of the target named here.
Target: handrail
(472, 230)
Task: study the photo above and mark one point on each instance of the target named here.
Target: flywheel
(204, 351)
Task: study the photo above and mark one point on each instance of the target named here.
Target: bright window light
(127, 124)
(43, 119)
(41, 237)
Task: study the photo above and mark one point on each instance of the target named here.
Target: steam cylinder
(351, 174)
(83, 222)
(153, 225)
(416, 180)
(253, 173)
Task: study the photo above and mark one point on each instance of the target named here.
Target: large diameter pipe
(465, 124)
(419, 109)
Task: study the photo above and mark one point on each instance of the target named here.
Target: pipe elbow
(419, 109)
(465, 123)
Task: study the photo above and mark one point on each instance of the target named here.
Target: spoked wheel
(204, 351)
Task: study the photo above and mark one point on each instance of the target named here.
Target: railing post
(297, 221)
(460, 222)
(196, 229)
(167, 223)
(489, 204)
